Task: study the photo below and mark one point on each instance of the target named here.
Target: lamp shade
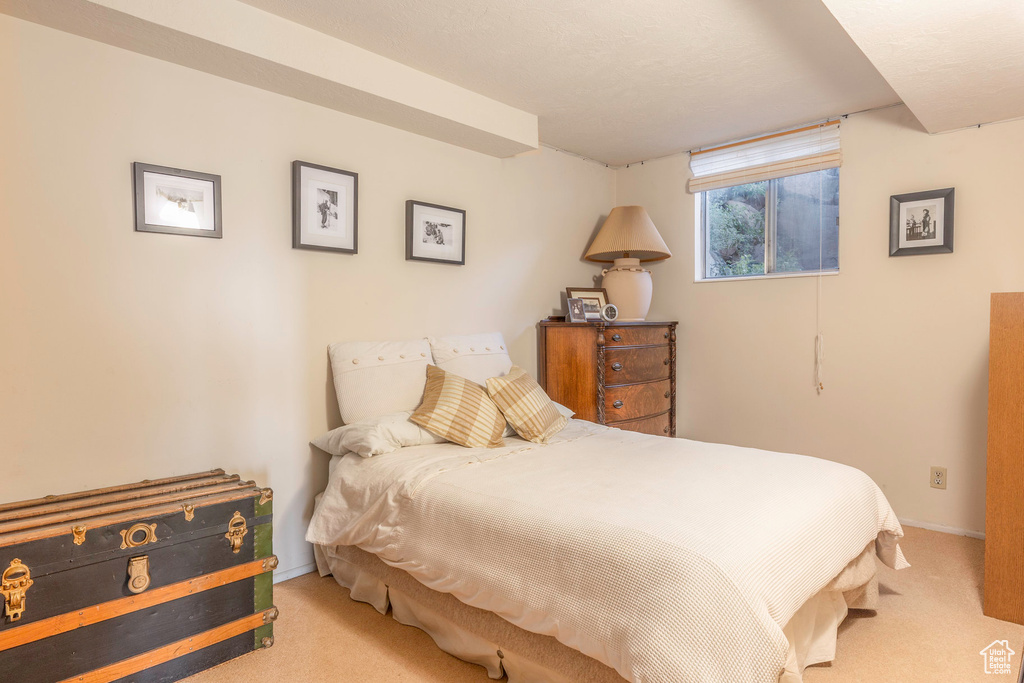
(628, 232)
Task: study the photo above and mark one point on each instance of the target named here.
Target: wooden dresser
(619, 374)
(1004, 496)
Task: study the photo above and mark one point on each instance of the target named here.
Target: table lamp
(628, 237)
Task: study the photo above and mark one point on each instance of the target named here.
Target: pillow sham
(378, 378)
(476, 357)
(376, 436)
(524, 404)
(459, 410)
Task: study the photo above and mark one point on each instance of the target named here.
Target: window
(769, 205)
(782, 225)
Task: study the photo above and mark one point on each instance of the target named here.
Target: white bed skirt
(483, 638)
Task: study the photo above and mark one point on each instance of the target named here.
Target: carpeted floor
(929, 628)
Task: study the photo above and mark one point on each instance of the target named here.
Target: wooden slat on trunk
(123, 487)
(141, 662)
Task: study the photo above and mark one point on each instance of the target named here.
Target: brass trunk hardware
(14, 584)
(78, 532)
(266, 495)
(236, 532)
(270, 563)
(271, 615)
(138, 574)
(190, 511)
(267, 641)
(129, 536)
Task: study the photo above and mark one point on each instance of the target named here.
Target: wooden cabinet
(619, 374)
(1004, 496)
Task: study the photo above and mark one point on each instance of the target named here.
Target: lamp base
(630, 288)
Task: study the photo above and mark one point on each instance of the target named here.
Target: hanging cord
(819, 339)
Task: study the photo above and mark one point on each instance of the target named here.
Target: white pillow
(379, 378)
(376, 436)
(477, 357)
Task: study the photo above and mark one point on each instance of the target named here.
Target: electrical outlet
(937, 478)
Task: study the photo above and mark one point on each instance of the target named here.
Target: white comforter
(668, 560)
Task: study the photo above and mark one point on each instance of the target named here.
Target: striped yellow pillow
(459, 410)
(525, 405)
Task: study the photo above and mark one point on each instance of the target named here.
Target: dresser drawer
(626, 366)
(659, 425)
(636, 400)
(636, 336)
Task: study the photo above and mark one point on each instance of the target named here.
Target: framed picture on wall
(325, 208)
(434, 233)
(175, 201)
(921, 223)
(594, 299)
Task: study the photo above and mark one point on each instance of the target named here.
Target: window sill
(768, 276)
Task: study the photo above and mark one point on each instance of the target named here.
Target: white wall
(126, 355)
(906, 339)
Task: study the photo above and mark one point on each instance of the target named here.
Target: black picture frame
(324, 243)
(415, 237)
(594, 300)
(902, 225)
(196, 179)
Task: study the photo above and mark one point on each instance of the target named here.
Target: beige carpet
(929, 628)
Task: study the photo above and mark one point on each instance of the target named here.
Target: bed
(605, 555)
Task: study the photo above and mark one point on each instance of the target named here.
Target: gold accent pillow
(525, 405)
(459, 410)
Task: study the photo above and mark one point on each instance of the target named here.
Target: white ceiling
(622, 81)
(954, 63)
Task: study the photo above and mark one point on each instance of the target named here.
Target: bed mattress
(665, 559)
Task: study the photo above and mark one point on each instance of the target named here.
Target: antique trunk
(152, 581)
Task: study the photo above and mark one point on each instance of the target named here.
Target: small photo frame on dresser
(577, 312)
(594, 299)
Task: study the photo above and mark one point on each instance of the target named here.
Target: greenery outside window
(778, 226)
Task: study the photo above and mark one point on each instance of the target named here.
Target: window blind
(804, 150)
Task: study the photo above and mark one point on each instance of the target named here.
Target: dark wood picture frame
(410, 229)
(581, 293)
(946, 195)
(297, 242)
(139, 170)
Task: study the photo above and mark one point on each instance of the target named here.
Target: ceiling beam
(239, 42)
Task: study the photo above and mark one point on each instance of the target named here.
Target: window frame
(770, 238)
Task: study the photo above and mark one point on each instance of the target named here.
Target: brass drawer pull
(616, 366)
(667, 394)
(138, 574)
(616, 337)
(128, 536)
(14, 584)
(665, 430)
(665, 362)
(236, 532)
(666, 335)
(617, 404)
